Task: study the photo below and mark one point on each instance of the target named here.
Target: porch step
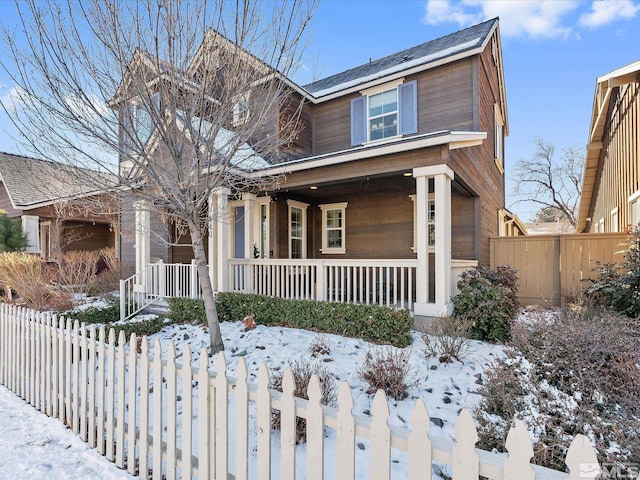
(160, 307)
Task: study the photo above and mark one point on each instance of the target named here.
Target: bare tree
(549, 181)
(179, 99)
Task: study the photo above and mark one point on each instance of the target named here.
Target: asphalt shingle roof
(30, 181)
(442, 47)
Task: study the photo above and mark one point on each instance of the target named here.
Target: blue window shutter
(358, 121)
(408, 108)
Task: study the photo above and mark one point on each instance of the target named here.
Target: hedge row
(368, 322)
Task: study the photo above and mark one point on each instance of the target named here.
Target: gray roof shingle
(439, 48)
(31, 182)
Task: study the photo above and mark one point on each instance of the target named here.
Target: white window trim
(432, 199)
(303, 206)
(237, 120)
(342, 206)
(259, 202)
(615, 219)
(374, 91)
(601, 222)
(498, 138)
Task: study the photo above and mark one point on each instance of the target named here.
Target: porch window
(431, 223)
(634, 208)
(384, 112)
(297, 229)
(333, 228)
(263, 229)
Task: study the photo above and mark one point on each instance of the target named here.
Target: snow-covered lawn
(34, 446)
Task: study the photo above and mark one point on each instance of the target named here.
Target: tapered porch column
(219, 240)
(143, 239)
(442, 176)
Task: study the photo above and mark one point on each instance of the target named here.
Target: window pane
(334, 218)
(334, 238)
(375, 105)
(432, 234)
(390, 101)
(296, 248)
(296, 222)
(263, 231)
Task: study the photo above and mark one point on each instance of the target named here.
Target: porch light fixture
(407, 174)
(313, 187)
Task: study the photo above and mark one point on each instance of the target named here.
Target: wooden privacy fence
(552, 267)
(154, 418)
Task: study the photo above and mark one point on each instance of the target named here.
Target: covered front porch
(387, 239)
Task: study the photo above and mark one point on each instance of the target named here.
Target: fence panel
(552, 267)
(125, 377)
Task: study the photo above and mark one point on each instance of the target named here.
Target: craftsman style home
(610, 199)
(55, 204)
(394, 185)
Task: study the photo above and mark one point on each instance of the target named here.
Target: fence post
(193, 279)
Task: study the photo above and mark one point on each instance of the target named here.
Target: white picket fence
(149, 414)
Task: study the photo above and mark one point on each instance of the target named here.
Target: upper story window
(241, 111)
(384, 112)
(139, 121)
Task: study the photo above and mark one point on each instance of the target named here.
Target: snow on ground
(35, 446)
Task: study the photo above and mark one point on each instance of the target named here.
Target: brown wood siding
(475, 166)
(92, 237)
(618, 171)
(5, 203)
(445, 102)
(378, 221)
(297, 117)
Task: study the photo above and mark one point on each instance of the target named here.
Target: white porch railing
(383, 282)
(156, 282)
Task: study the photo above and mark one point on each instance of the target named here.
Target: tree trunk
(215, 336)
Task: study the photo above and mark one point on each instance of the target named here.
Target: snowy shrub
(320, 346)
(373, 323)
(618, 286)
(446, 339)
(388, 369)
(487, 302)
(579, 373)
(302, 371)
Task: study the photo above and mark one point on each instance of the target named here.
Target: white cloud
(536, 19)
(604, 12)
(13, 98)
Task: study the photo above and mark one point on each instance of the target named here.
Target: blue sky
(553, 50)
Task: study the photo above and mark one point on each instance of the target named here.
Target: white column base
(433, 309)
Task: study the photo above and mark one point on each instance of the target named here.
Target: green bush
(145, 327)
(186, 310)
(108, 314)
(487, 302)
(368, 322)
(618, 286)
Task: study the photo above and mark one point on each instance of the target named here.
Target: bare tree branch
(177, 99)
(551, 182)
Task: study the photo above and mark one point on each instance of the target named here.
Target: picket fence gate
(109, 395)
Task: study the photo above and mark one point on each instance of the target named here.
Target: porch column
(442, 176)
(143, 238)
(222, 239)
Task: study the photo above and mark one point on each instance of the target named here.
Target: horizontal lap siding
(618, 170)
(5, 203)
(91, 237)
(445, 102)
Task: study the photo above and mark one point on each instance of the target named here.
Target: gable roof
(602, 96)
(32, 183)
(465, 41)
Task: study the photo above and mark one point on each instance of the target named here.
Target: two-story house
(610, 200)
(394, 184)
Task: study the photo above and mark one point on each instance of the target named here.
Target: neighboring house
(610, 199)
(52, 199)
(394, 185)
(510, 225)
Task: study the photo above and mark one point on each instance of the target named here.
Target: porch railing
(383, 282)
(156, 282)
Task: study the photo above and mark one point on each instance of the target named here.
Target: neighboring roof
(512, 217)
(32, 183)
(549, 228)
(604, 86)
(438, 49)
